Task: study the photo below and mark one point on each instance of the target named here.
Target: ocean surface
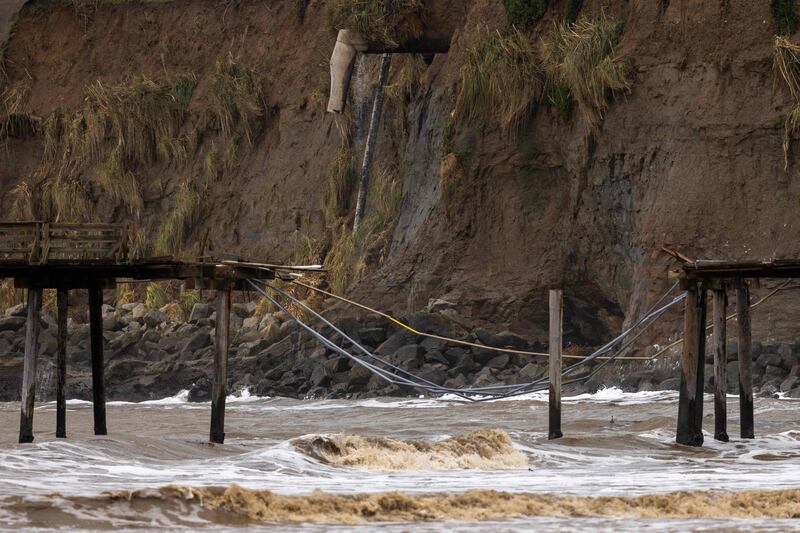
(433, 450)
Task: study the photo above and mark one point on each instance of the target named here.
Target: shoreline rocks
(150, 355)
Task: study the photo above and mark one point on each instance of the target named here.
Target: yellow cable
(523, 352)
(447, 339)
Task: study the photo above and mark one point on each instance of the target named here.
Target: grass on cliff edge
(378, 21)
(501, 80)
(582, 57)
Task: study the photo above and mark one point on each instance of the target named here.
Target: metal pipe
(372, 138)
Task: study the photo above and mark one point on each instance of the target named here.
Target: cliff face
(690, 158)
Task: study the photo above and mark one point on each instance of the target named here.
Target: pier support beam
(745, 359)
(98, 381)
(28, 394)
(690, 403)
(554, 404)
(219, 382)
(61, 363)
(720, 299)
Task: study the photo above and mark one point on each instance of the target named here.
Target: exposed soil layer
(691, 158)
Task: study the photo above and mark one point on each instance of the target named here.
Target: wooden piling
(28, 394)
(720, 299)
(98, 381)
(554, 403)
(61, 363)
(690, 403)
(219, 381)
(745, 359)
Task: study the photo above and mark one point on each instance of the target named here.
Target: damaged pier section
(94, 257)
(698, 278)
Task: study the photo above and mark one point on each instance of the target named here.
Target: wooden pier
(697, 278)
(94, 257)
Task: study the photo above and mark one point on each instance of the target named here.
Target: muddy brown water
(423, 464)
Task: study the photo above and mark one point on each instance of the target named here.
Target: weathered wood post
(720, 299)
(98, 381)
(554, 403)
(28, 394)
(745, 359)
(61, 363)
(219, 381)
(690, 402)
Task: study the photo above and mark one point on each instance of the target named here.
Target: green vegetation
(558, 97)
(187, 300)
(523, 14)
(501, 80)
(784, 14)
(582, 57)
(378, 21)
(572, 8)
(179, 221)
(347, 260)
(342, 182)
(236, 100)
(156, 296)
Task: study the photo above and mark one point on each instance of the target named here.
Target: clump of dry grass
(378, 21)
(353, 251)
(583, 58)
(22, 202)
(15, 120)
(786, 66)
(121, 183)
(501, 80)
(66, 200)
(156, 296)
(179, 221)
(341, 185)
(188, 299)
(791, 126)
(236, 99)
(125, 294)
(121, 128)
(139, 118)
(9, 295)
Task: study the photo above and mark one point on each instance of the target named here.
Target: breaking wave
(235, 504)
(490, 449)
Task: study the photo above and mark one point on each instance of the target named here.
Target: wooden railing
(40, 243)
